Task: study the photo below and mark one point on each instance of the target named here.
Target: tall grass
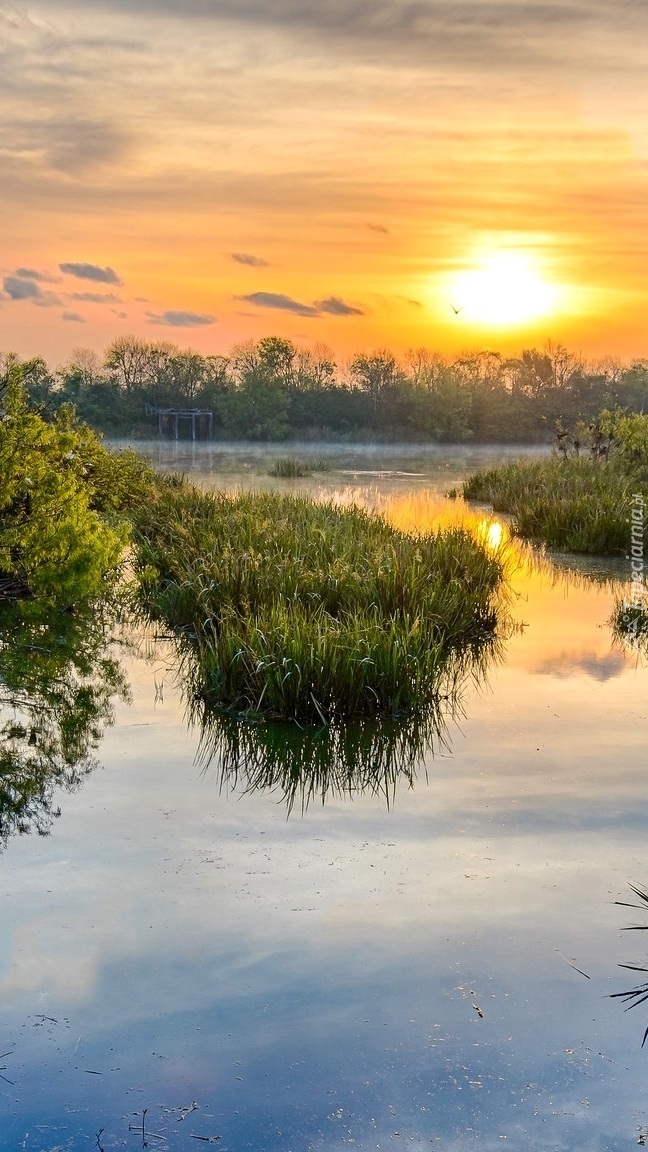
(298, 610)
(575, 505)
(289, 468)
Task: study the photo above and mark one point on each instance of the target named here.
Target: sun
(503, 290)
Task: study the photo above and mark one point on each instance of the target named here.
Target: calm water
(360, 975)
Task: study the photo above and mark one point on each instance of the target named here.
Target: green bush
(62, 496)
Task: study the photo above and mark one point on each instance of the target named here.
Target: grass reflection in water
(340, 759)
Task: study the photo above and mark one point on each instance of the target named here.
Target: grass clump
(573, 505)
(288, 468)
(291, 468)
(299, 610)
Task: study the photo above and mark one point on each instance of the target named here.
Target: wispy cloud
(378, 228)
(494, 33)
(40, 277)
(249, 260)
(331, 306)
(95, 297)
(76, 317)
(180, 319)
(91, 272)
(278, 301)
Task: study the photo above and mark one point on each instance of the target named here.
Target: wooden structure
(202, 421)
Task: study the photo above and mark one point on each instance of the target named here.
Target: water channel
(186, 959)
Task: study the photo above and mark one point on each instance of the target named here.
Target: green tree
(53, 544)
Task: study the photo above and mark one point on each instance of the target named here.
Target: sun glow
(504, 289)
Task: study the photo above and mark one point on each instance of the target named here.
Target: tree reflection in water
(58, 682)
(342, 758)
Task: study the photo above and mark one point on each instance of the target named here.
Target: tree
(53, 544)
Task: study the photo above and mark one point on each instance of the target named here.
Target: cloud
(250, 261)
(95, 297)
(75, 316)
(20, 288)
(378, 228)
(494, 34)
(566, 664)
(33, 274)
(79, 147)
(280, 302)
(91, 272)
(333, 306)
(180, 319)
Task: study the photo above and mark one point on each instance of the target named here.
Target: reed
(575, 505)
(289, 468)
(300, 610)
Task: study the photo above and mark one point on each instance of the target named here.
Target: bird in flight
(456, 310)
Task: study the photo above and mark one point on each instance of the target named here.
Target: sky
(450, 174)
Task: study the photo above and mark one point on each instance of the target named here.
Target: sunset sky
(454, 174)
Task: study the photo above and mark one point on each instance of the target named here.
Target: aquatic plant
(296, 609)
(289, 468)
(574, 505)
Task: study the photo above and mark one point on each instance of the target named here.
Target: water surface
(360, 974)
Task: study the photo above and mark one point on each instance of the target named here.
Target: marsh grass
(298, 610)
(291, 468)
(575, 505)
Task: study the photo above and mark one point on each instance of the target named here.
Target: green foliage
(60, 493)
(575, 505)
(628, 435)
(309, 611)
(272, 389)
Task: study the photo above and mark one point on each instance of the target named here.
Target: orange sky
(455, 174)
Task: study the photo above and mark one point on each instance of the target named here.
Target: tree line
(271, 389)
